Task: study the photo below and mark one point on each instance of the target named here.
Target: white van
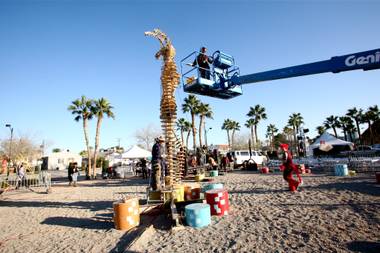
(240, 156)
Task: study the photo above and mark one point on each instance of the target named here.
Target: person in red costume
(288, 167)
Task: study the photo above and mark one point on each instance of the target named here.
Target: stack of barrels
(199, 215)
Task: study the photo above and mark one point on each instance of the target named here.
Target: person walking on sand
(21, 178)
(75, 174)
(288, 168)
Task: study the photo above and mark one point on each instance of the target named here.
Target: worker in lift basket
(203, 61)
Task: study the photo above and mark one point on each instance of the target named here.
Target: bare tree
(24, 149)
(145, 136)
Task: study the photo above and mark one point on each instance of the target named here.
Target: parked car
(363, 148)
(241, 156)
(376, 147)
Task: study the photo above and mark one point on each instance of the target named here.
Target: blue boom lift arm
(225, 81)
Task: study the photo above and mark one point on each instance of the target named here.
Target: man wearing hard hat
(157, 163)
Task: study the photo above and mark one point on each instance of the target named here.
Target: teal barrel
(341, 170)
(198, 215)
(213, 173)
(207, 187)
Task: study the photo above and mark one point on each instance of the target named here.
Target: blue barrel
(207, 187)
(213, 173)
(341, 170)
(198, 215)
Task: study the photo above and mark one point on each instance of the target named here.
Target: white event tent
(327, 139)
(136, 152)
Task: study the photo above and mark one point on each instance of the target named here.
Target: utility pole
(206, 130)
(10, 147)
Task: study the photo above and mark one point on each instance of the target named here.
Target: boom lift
(225, 81)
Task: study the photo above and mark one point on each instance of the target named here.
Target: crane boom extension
(224, 79)
(363, 60)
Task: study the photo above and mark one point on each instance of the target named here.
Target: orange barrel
(188, 192)
(196, 193)
(265, 170)
(378, 177)
(218, 201)
(126, 214)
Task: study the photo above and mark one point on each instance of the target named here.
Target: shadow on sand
(363, 246)
(360, 185)
(90, 205)
(78, 223)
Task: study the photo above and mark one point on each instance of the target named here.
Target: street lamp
(10, 147)
(206, 130)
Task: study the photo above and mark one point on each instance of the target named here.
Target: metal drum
(126, 214)
(341, 170)
(218, 201)
(213, 173)
(198, 215)
(207, 187)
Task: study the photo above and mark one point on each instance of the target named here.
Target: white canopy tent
(326, 140)
(136, 152)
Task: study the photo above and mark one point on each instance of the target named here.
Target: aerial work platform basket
(215, 83)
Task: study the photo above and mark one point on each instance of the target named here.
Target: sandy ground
(330, 214)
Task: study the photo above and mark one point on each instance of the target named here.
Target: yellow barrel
(199, 177)
(352, 173)
(167, 180)
(126, 214)
(154, 195)
(188, 192)
(179, 191)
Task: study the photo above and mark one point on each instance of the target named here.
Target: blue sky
(52, 52)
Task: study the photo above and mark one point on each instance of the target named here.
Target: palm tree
(332, 122)
(351, 129)
(356, 115)
(100, 108)
(295, 120)
(82, 109)
(256, 113)
(320, 130)
(204, 111)
(181, 126)
(288, 132)
(227, 126)
(344, 122)
(187, 129)
(235, 126)
(271, 131)
(370, 116)
(191, 104)
(249, 124)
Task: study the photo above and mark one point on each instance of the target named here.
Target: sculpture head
(167, 51)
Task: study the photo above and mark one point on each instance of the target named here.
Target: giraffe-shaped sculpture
(168, 113)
